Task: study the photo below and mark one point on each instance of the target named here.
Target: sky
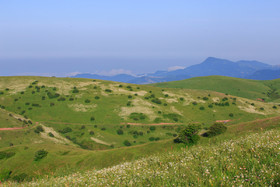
(91, 36)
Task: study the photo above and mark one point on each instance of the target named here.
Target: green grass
(250, 160)
(251, 89)
(95, 114)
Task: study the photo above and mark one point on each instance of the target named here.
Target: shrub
(87, 101)
(210, 106)
(194, 103)
(75, 90)
(108, 90)
(92, 118)
(231, 115)
(103, 128)
(91, 133)
(261, 108)
(96, 97)
(137, 116)
(216, 129)
(152, 128)
(51, 104)
(201, 108)
(152, 138)
(181, 99)
(40, 155)
(275, 107)
(189, 135)
(52, 96)
(39, 129)
(83, 127)
(205, 98)
(128, 103)
(129, 97)
(50, 134)
(127, 143)
(156, 100)
(120, 131)
(65, 130)
(61, 99)
(157, 139)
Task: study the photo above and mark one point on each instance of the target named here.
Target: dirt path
(11, 129)
(152, 124)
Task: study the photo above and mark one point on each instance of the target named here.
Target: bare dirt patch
(11, 129)
(99, 141)
(82, 107)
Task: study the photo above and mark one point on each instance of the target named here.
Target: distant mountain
(266, 74)
(211, 66)
(216, 66)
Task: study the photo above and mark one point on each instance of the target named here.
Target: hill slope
(251, 89)
(86, 123)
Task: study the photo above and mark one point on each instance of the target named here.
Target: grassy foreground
(251, 160)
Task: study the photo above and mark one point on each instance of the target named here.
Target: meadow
(74, 125)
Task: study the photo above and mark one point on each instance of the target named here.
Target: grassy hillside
(84, 123)
(251, 89)
(243, 161)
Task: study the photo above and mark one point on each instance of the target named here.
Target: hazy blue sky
(65, 36)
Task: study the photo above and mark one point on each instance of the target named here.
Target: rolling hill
(251, 89)
(86, 123)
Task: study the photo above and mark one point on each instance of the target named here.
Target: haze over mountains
(211, 66)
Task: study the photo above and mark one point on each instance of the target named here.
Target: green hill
(243, 161)
(251, 89)
(84, 123)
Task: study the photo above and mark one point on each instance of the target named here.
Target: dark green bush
(152, 138)
(52, 95)
(87, 101)
(39, 129)
(189, 135)
(97, 97)
(108, 90)
(91, 133)
(65, 130)
(216, 129)
(40, 155)
(127, 143)
(120, 131)
(92, 118)
(156, 100)
(50, 134)
(152, 128)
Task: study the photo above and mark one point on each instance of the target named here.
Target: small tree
(40, 154)
(127, 143)
(189, 135)
(216, 129)
(120, 131)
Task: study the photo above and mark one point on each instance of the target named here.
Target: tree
(189, 135)
(216, 129)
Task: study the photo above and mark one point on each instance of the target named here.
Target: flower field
(253, 160)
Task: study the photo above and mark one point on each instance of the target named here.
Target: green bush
(137, 116)
(127, 143)
(152, 138)
(156, 100)
(50, 134)
(92, 118)
(108, 90)
(152, 128)
(120, 131)
(189, 135)
(65, 130)
(39, 129)
(91, 133)
(40, 155)
(216, 129)
(87, 101)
